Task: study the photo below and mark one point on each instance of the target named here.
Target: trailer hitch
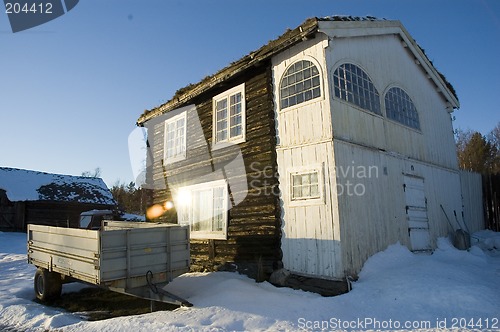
(160, 293)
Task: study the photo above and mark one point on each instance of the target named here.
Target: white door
(416, 213)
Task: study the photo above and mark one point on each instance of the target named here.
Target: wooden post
(20, 216)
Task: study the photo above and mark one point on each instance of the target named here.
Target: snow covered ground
(396, 290)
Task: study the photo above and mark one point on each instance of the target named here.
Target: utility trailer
(132, 258)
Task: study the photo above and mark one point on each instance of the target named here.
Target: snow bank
(396, 290)
(17, 308)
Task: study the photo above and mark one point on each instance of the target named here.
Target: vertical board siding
(389, 64)
(491, 196)
(472, 196)
(310, 235)
(253, 230)
(310, 238)
(371, 222)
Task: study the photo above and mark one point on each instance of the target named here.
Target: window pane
(315, 191)
(235, 131)
(222, 104)
(221, 136)
(314, 177)
(358, 88)
(400, 108)
(297, 192)
(229, 113)
(300, 83)
(207, 210)
(175, 142)
(297, 180)
(305, 186)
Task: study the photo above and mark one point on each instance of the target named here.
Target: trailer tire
(47, 284)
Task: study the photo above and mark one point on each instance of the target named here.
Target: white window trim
(240, 139)
(181, 156)
(304, 170)
(342, 100)
(217, 235)
(308, 102)
(384, 106)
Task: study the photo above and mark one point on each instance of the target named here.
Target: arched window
(399, 107)
(300, 83)
(352, 84)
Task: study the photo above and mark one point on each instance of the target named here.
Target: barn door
(416, 213)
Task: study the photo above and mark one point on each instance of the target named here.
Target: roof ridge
(350, 18)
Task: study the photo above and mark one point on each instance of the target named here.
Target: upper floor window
(175, 138)
(352, 84)
(229, 115)
(399, 107)
(300, 83)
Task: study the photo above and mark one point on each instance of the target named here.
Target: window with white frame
(305, 185)
(229, 115)
(175, 138)
(399, 107)
(352, 84)
(204, 207)
(300, 83)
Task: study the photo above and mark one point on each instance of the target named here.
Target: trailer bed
(126, 257)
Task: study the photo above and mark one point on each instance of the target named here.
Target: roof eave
(344, 29)
(433, 73)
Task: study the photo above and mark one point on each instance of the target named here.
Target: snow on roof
(26, 185)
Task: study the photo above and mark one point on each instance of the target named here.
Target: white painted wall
(310, 232)
(372, 221)
(389, 64)
(376, 219)
(334, 238)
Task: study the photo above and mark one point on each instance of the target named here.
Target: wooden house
(31, 197)
(344, 128)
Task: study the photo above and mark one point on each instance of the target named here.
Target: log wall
(253, 241)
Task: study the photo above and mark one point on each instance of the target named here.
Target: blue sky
(73, 88)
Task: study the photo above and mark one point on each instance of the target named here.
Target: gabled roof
(291, 37)
(25, 185)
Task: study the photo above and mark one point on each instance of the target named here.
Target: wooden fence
(472, 200)
(491, 201)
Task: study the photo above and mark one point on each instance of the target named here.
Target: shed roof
(291, 37)
(26, 185)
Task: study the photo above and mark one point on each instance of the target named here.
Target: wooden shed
(32, 197)
(344, 128)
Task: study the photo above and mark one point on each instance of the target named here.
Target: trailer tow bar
(160, 292)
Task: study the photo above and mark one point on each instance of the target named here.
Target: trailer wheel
(47, 284)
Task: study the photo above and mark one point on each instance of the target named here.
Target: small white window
(204, 207)
(175, 138)
(305, 185)
(229, 115)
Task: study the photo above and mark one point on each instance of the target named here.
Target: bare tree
(93, 174)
